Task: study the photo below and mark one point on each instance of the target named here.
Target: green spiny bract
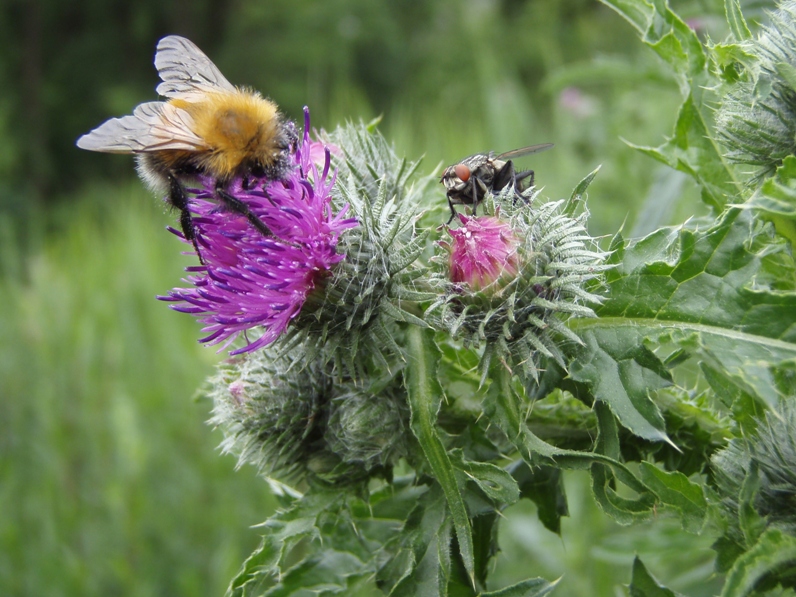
(368, 429)
(761, 470)
(295, 422)
(353, 311)
(757, 118)
(271, 414)
(524, 317)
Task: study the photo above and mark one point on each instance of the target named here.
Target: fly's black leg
(179, 199)
(504, 177)
(239, 207)
(520, 177)
(453, 212)
(508, 176)
(475, 195)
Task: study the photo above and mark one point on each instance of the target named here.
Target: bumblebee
(208, 127)
(469, 180)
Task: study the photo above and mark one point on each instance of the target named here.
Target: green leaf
(676, 491)
(623, 510)
(496, 483)
(421, 564)
(774, 552)
(642, 584)
(638, 13)
(735, 19)
(326, 572)
(621, 372)
(665, 32)
(706, 291)
(775, 200)
(692, 150)
(425, 395)
(543, 485)
(777, 195)
(284, 531)
(501, 406)
(533, 587)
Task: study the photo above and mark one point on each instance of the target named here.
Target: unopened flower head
(483, 252)
(510, 279)
(766, 461)
(757, 119)
(368, 429)
(294, 421)
(250, 280)
(379, 283)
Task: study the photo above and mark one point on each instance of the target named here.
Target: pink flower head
(483, 250)
(251, 280)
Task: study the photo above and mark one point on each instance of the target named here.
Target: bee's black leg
(239, 207)
(179, 199)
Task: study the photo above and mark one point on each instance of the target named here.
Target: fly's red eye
(462, 171)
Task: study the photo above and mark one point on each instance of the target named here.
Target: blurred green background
(111, 483)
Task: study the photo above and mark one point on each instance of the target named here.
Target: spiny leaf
(642, 584)
(533, 587)
(676, 491)
(704, 291)
(774, 550)
(621, 372)
(693, 150)
(740, 31)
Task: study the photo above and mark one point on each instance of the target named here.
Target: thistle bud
(483, 253)
(367, 429)
(512, 278)
(757, 118)
(296, 422)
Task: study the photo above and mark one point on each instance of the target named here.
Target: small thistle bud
(295, 422)
(271, 416)
(511, 279)
(367, 429)
(771, 455)
(483, 252)
(757, 118)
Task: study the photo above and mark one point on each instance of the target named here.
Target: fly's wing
(186, 72)
(152, 126)
(515, 153)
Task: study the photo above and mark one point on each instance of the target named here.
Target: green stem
(425, 397)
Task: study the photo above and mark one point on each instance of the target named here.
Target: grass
(111, 481)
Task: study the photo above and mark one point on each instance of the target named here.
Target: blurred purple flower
(483, 250)
(573, 100)
(249, 280)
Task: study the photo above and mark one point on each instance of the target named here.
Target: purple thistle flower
(249, 280)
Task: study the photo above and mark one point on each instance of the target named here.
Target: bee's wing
(152, 126)
(515, 153)
(186, 72)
